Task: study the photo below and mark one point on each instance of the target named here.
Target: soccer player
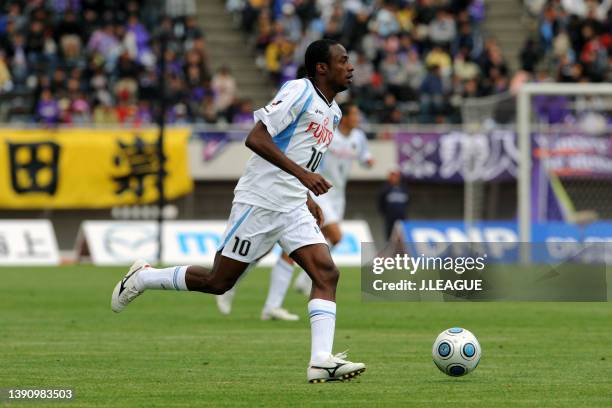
(272, 203)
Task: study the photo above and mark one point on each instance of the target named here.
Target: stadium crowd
(97, 61)
(414, 60)
(573, 42)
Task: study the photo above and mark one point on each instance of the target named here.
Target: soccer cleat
(334, 368)
(279, 314)
(224, 301)
(126, 290)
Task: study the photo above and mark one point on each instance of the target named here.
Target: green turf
(174, 349)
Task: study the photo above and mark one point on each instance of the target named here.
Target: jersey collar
(320, 93)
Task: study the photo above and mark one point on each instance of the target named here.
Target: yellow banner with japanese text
(90, 168)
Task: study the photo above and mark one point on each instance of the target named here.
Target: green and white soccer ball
(456, 352)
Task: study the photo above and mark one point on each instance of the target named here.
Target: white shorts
(332, 207)
(252, 231)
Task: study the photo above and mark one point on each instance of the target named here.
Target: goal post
(525, 129)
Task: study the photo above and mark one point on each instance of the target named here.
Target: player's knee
(328, 274)
(334, 276)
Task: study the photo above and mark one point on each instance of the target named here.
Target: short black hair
(345, 107)
(317, 51)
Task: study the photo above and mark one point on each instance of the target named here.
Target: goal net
(565, 154)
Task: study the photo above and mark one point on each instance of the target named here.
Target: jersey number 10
(242, 246)
(315, 160)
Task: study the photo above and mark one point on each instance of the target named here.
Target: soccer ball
(456, 352)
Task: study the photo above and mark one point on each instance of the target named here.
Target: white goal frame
(524, 126)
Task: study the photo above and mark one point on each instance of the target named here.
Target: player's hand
(369, 163)
(315, 210)
(315, 183)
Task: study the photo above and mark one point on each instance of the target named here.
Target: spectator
(19, 61)
(277, 53)
(223, 85)
(432, 92)
(47, 110)
(291, 23)
(209, 111)
(192, 31)
(415, 72)
(104, 112)
(439, 58)
(138, 38)
(385, 22)
(244, 114)
(442, 29)
(530, 55)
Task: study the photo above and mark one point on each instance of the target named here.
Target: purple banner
(215, 141)
(455, 157)
(574, 155)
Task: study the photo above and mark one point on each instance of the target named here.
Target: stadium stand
(572, 42)
(84, 61)
(416, 61)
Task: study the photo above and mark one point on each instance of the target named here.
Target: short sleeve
(284, 108)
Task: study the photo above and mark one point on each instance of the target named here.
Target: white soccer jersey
(338, 161)
(302, 124)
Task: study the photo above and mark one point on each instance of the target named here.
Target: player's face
(340, 74)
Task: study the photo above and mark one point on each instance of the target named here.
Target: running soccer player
(272, 204)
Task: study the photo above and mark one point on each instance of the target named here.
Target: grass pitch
(175, 349)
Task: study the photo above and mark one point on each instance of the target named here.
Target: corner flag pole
(161, 121)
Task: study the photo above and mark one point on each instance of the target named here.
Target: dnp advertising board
(551, 241)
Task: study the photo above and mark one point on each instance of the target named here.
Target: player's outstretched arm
(260, 142)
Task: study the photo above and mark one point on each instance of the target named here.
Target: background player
(349, 145)
(272, 203)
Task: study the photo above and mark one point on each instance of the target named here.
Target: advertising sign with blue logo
(552, 241)
(197, 242)
(189, 242)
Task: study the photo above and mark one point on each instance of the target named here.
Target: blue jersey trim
(284, 85)
(283, 138)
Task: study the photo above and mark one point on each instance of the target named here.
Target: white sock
(303, 280)
(322, 325)
(172, 278)
(280, 278)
